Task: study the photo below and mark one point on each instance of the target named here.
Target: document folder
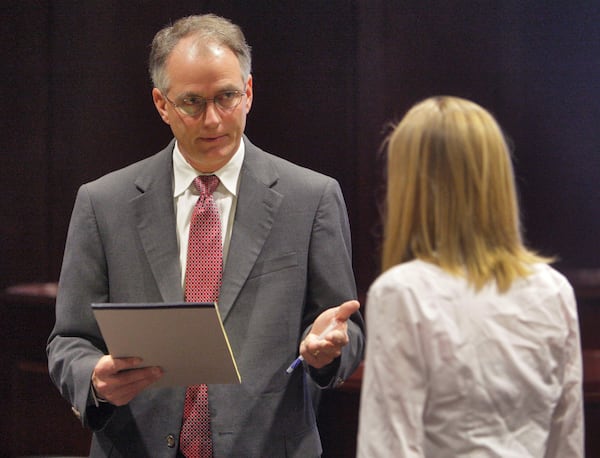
(187, 340)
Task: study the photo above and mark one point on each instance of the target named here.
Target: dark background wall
(329, 75)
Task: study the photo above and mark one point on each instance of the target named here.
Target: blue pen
(321, 336)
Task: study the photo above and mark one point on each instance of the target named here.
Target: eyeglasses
(196, 105)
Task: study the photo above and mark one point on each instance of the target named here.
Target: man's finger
(120, 364)
(346, 309)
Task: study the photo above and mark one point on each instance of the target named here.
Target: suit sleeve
(75, 344)
(331, 281)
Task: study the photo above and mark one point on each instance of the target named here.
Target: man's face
(207, 140)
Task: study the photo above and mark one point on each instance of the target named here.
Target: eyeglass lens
(196, 105)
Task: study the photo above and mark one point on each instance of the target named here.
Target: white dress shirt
(185, 197)
(450, 372)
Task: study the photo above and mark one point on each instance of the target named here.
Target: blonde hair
(451, 195)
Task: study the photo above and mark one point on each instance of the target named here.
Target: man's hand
(322, 345)
(119, 380)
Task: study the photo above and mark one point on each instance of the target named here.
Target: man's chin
(209, 161)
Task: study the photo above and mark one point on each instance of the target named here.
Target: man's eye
(228, 95)
(193, 101)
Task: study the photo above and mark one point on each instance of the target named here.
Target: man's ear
(249, 94)
(160, 102)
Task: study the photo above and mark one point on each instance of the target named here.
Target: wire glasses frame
(196, 105)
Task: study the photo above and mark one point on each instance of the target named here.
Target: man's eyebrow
(186, 95)
(228, 88)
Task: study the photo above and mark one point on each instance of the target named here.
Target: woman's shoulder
(548, 277)
(416, 275)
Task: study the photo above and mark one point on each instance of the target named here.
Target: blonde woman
(473, 346)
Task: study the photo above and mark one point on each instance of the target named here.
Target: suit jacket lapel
(257, 206)
(156, 224)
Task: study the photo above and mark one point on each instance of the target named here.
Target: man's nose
(211, 113)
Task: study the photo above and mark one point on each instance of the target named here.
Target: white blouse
(450, 372)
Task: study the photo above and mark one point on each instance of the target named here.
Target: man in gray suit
(286, 268)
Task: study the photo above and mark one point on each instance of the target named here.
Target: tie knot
(206, 184)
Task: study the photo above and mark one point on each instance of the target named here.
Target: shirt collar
(184, 174)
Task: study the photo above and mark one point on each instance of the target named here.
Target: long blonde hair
(451, 195)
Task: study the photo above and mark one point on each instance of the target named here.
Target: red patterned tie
(202, 282)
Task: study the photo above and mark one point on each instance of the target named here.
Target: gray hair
(206, 28)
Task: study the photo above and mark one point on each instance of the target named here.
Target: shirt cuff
(96, 397)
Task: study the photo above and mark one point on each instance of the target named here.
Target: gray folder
(187, 340)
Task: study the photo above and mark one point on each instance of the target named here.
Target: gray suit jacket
(289, 259)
